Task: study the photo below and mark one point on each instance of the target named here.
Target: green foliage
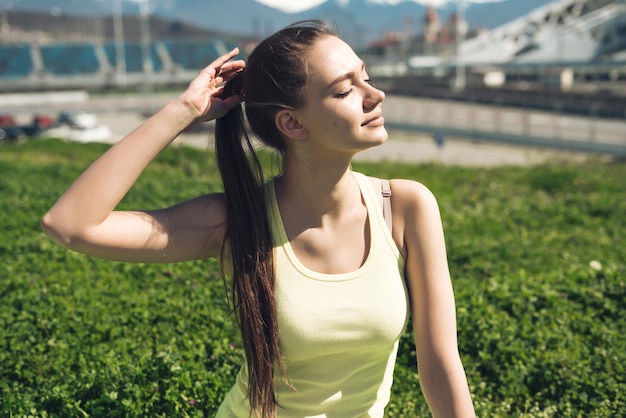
(536, 253)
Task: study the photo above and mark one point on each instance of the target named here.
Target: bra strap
(386, 192)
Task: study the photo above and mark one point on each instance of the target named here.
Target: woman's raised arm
(84, 220)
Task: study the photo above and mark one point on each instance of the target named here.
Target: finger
(231, 70)
(218, 91)
(209, 70)
(225, 58)
(232, 66)
(229, 76)
(219, 79)
(222, 64)
(228, 72)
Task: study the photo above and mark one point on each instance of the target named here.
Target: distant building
(436, 38)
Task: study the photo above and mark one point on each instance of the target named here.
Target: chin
(382, 137)
(371, 139)
(374, 142)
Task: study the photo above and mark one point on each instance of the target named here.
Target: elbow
(49, 227)
(54, 230)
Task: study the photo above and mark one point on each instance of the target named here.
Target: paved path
(122, 113)
(401, 146)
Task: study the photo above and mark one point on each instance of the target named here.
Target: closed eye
(343, 94)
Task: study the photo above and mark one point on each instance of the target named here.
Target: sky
(297, 6)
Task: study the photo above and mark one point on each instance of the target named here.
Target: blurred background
(533, 72)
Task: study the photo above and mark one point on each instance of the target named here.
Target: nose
(373, 97)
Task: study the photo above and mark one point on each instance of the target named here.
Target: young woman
(327, 264)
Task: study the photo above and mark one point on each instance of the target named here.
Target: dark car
(12, 133)
(8, 129)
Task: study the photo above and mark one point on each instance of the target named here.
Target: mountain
(359, 21)
(363, 20)
(63, 7)
(243, 17)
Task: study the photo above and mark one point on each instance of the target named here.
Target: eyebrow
(345, 76)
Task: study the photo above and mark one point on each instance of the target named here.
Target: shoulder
(420, 229)
(411, 191)
(413, 197)
(415, 212)
(409, 198)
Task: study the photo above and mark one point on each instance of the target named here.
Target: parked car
(7, 120)
(43, 121)
(12, 133)
(78, 119)
(9, 131)
(79, 126)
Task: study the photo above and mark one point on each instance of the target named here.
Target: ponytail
(250, 249)
(276, 78)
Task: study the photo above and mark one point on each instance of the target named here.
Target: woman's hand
(203, 96)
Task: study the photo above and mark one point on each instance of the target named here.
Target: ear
(288, 123)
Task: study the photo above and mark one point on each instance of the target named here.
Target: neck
(317, 190)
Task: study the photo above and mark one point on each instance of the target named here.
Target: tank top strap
(374, 210)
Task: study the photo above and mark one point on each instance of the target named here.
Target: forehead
(330, 58)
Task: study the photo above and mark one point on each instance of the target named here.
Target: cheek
(335, 118)
(339, 124)
(340, 119)
(330, 122)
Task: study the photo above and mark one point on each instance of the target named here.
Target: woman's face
(342, 110)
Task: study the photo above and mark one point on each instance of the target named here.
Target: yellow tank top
(339, 333)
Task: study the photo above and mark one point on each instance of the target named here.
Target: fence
(522, 126)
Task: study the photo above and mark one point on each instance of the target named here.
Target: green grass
(537, 256)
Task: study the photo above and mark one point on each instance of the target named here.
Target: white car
(80, 126)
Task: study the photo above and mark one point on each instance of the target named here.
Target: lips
(376, 120)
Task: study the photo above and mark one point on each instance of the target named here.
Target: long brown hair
(275, 78)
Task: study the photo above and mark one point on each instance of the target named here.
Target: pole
(120, 49)
(461, 28)
(146, 42)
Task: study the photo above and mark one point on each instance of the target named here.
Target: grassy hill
(537, 256)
